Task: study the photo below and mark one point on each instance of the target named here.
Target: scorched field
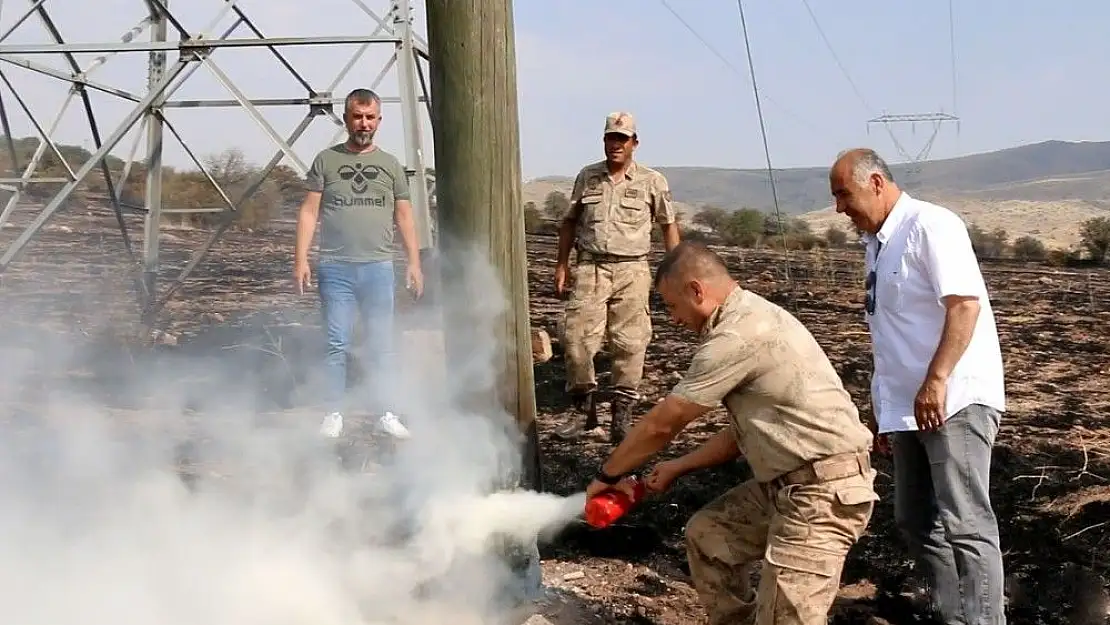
(1051, 469)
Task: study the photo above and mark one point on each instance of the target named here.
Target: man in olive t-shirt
(358, 192)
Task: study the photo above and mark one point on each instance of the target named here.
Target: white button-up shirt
(922, 254)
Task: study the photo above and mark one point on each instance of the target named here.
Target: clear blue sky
(1024, 73)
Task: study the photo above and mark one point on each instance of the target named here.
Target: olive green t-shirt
(358, 192)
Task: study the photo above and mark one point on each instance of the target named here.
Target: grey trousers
(942, 507)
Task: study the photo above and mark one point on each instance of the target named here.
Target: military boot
(621, 409)
(582, 418)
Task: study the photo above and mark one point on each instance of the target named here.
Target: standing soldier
(612, 207)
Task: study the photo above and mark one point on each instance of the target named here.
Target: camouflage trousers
(608, 299)
(801, 532)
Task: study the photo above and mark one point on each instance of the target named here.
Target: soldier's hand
(595, 488)
(881, 442)
(561, 272)
(662, 476)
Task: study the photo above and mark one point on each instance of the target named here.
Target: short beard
(361, 139)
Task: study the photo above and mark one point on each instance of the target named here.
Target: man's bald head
(690, 260)
(863, 187)
(860, 164)
(693, 281)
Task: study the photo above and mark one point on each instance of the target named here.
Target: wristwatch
(607, 479)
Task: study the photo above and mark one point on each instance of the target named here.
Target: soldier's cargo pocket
(855, 495)
(583, 285)
(853, 508)
(795, 510)
(633, 210)
(803, 558)
(584, 311)
(590, 206)
(798, 584)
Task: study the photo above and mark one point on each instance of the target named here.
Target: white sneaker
(392, 425)
(332, 425)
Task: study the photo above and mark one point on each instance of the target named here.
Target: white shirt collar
(897, 215)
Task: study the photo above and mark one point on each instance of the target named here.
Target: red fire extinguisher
(604, 509)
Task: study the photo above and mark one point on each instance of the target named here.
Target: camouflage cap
(621, 123)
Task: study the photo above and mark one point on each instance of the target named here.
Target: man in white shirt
(937, 388)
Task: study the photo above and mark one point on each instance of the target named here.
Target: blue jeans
(361, 293)
(942, 507)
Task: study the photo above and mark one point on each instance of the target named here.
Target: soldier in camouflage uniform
(812, 491)
(612, 208)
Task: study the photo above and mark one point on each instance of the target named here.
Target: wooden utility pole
(476, 138)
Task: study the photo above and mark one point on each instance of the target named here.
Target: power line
(759, 113)
(937, 119)
(766, 148)
(836, 58)
(847, 76)
(708, 46)
(952, 51)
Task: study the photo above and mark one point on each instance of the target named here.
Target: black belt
(591, 257)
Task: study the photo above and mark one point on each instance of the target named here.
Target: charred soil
(1051, 467)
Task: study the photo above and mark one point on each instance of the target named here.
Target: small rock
(570, 577)
(541, 346)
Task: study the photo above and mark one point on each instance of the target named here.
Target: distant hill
(1042, 189)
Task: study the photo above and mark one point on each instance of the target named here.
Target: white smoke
(97, 527)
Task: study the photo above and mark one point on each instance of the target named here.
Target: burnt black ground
(1051, 467)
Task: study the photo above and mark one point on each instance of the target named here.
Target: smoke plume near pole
(98, 527)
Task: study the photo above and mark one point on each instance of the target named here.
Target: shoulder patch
(667, 196)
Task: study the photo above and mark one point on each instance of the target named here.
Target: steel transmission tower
(151, 111)
(914, 158)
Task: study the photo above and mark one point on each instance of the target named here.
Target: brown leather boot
(583, 418)
(621, 408)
